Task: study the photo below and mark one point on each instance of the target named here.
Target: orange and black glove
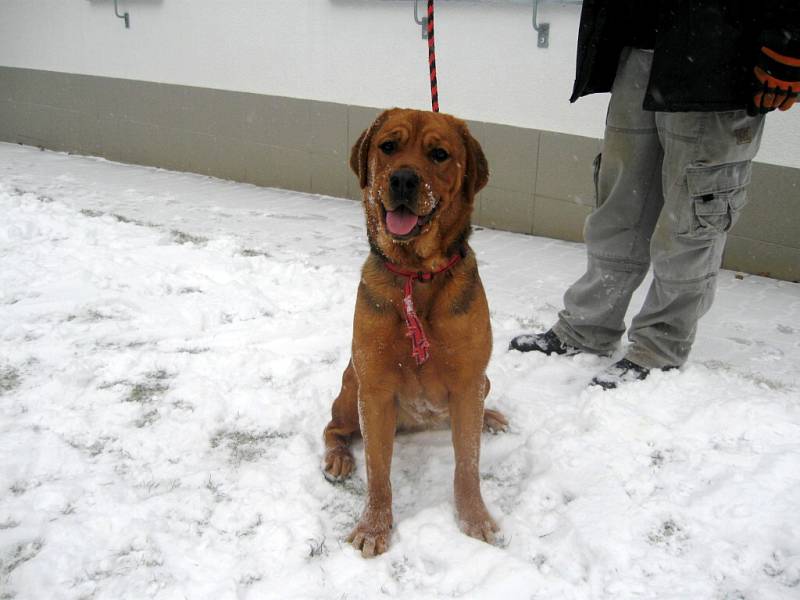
(777, 81)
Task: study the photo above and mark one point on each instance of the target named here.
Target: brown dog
(421, 333)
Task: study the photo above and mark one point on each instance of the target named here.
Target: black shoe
(546, 342)
(622, 371)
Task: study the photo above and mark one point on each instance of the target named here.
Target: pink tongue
(400, 221)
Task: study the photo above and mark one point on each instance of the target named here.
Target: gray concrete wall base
(541, 181)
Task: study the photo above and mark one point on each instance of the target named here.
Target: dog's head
(419, 172)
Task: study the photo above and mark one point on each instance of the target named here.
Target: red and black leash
(420, 346)
(432, 60)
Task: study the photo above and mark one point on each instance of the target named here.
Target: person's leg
(617, 233)
(706, 170)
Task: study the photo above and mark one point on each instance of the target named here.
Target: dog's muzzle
(401, 216)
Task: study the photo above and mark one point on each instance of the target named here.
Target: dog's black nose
(404, 184)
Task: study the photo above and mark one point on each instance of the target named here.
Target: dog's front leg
(378, 411)
(466, 417)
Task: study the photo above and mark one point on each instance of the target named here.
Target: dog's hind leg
(493, 421)
(338, 462)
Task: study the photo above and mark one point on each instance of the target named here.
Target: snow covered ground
(170, 345)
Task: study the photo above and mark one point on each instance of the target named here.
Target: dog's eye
(439, 155)
(388, 146)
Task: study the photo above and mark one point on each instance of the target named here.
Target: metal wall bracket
(421, 21)
(542, 29)
(125, 16)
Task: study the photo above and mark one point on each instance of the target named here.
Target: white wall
(366, 52)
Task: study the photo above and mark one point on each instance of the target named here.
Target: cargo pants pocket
(717, 195)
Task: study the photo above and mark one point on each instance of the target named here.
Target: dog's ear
(359, 155)
(476, 174)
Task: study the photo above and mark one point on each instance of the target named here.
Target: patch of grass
(110, 384)
(785, 574)
(251, 252)
(93, 315)
(147, 419)
(18, 488)
(657, 459)
(20, 554)
(120, 345)
(9, 379)
(144, 392)
(317, 548)
(250, 530)
(181, 237)
(95, 448)
(183, 405)
(124, 219)
(529, 323)
(194, 350)
(399, 569)
(670, 536)
(88, 212)
(344, 507)
(90, 316)
(539, 560)
(215, 489)
(246, 446)
(133, 556)
(667, 530)
(153, 487)
(202, 524)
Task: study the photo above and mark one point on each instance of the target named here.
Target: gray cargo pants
(669, 187)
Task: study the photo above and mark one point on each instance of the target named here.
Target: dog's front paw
(476, 522)
(372, 533)
(338, 464)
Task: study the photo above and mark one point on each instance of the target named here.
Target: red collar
(422, 275)
(420, 346)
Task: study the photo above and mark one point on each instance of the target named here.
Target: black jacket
(705, 50)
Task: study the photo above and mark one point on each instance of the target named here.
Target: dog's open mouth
(404, 224)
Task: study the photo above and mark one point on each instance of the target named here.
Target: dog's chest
(422, 412)
(422, 404)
